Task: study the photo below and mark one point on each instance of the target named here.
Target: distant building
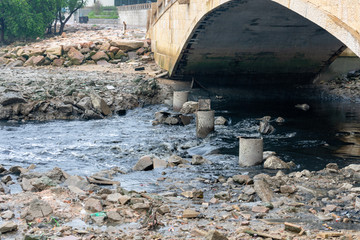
(131, 2)
(91, 3)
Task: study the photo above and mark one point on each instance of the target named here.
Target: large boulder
(9, 98)
(144, 163)
(75, 56)
(99, 104)
(189, 107)
(100, 56)
(127, 45)
(274, 162)
(54, 50)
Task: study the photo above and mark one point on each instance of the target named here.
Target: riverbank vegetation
(29, 19)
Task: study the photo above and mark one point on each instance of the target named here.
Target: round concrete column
(204, 123)
(250, 151)
(179, 98)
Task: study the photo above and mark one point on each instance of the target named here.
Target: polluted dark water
(328, 132)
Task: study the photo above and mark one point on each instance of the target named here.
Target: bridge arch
(178, 29)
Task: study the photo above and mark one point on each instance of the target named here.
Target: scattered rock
(215, 235)
(190, 213)
(199, 160)
(38, 209)
(93, 205)
(145, 163)
(274, 162)
(221, 121)
(263, 190)
(8, 227)
(304, 106)
(189, 107)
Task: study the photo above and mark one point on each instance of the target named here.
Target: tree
(23, 19)
(65, 9)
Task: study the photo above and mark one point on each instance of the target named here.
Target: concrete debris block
(114, 198)
(145, 163)
(8, 227)
(99, 104)
(93, 205)
(189, 107)
(274, 162)
(199, 160)
(260, 209)
(263, 190)
(215, 235)
(159, 163)
(190, 213)
(221, 121)
(10, 98)
(38, 209)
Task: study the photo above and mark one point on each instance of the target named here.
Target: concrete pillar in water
(250, 151)
(179, 98)
(204, 123)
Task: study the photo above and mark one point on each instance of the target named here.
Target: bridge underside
(256, 41)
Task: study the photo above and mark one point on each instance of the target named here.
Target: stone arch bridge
(282, 39)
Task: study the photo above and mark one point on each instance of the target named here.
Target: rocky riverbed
(345, 87)
(300, 205)
(97, 89)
